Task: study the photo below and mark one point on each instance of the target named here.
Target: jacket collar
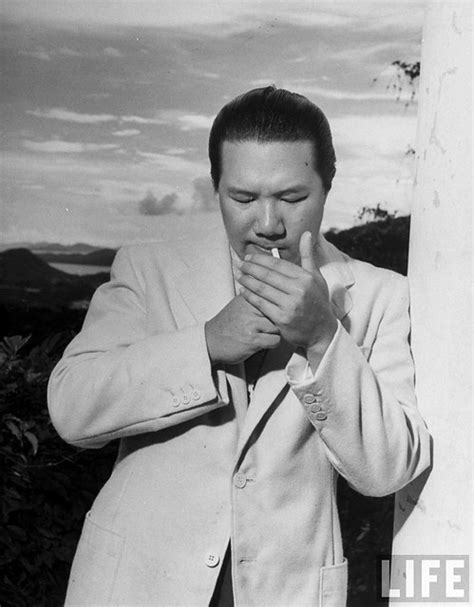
(335, 268)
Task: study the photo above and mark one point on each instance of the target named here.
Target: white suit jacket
(197, 465)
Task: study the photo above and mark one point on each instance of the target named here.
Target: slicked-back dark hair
(270, 114)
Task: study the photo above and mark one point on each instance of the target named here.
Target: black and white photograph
(236, 303)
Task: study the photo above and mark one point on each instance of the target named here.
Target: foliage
(407, 74)
(382, 241)
(46, 485)
(377, 213)
(411, 71)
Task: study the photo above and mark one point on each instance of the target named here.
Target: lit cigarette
(275, 253)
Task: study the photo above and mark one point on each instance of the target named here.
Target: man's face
(269, 194)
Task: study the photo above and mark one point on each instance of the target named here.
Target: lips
(267, 250)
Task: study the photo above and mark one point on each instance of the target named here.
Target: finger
(269, 341)
(263, 289)
(286, 268)
(306, 252)
(268, 309)
(265, 275)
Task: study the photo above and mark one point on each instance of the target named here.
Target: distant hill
(80, 248)
(51, 247)
(28, 281)
(22, 267)
(100, 257)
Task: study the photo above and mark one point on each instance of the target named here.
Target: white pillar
(439, 521)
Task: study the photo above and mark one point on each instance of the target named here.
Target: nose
(269, 222)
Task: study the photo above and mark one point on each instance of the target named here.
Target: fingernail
(247, 257)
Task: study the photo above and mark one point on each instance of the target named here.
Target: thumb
(306, 252)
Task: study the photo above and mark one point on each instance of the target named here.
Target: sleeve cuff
(298, 369)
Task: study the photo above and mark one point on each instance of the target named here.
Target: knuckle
(274, 341)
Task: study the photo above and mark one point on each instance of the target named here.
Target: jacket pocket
(333, 585)
(95, 565)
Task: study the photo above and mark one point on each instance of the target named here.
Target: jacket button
(175, 401)
(196, 395)
(185, 400)
(309, 398)
(321, 416)
(315, 408)
(212, 560)
(240, 481)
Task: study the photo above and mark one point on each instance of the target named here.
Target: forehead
(274, 161)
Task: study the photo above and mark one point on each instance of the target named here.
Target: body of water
(79, 269)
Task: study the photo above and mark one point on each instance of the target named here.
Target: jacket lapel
(206, 286)
(334, 266)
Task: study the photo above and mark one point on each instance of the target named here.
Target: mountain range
(27, 280)
(78, 253)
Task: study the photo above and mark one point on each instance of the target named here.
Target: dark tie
(253, 368)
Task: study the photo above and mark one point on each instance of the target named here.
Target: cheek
(301, 220)
(235, 221)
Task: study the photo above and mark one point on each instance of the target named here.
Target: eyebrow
(295, 189)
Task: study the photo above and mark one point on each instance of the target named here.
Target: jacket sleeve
(362, 403)
(116, 379)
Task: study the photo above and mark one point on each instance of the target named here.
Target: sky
(106, 107)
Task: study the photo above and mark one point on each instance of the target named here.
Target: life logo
(423, 578)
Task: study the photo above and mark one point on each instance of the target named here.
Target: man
(240, 384)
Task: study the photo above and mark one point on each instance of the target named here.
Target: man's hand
(238, 331)
(294, 298)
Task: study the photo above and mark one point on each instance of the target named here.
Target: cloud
(65, 51)
(375, 136)
(140, 120)
(32, 186)
(56, 146)
(175, 151)
(59, 113)
(190, 122)
(230, 17)
(110, 51)
(126, 133)
(204, 199)
(174, 163)
(47, 55)
(313, 89)
(40, 54)
(150, 205)
(185, 121)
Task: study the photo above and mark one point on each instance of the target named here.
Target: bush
(47, 486)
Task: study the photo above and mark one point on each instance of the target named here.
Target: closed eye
(242, 199)
(297, 199)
